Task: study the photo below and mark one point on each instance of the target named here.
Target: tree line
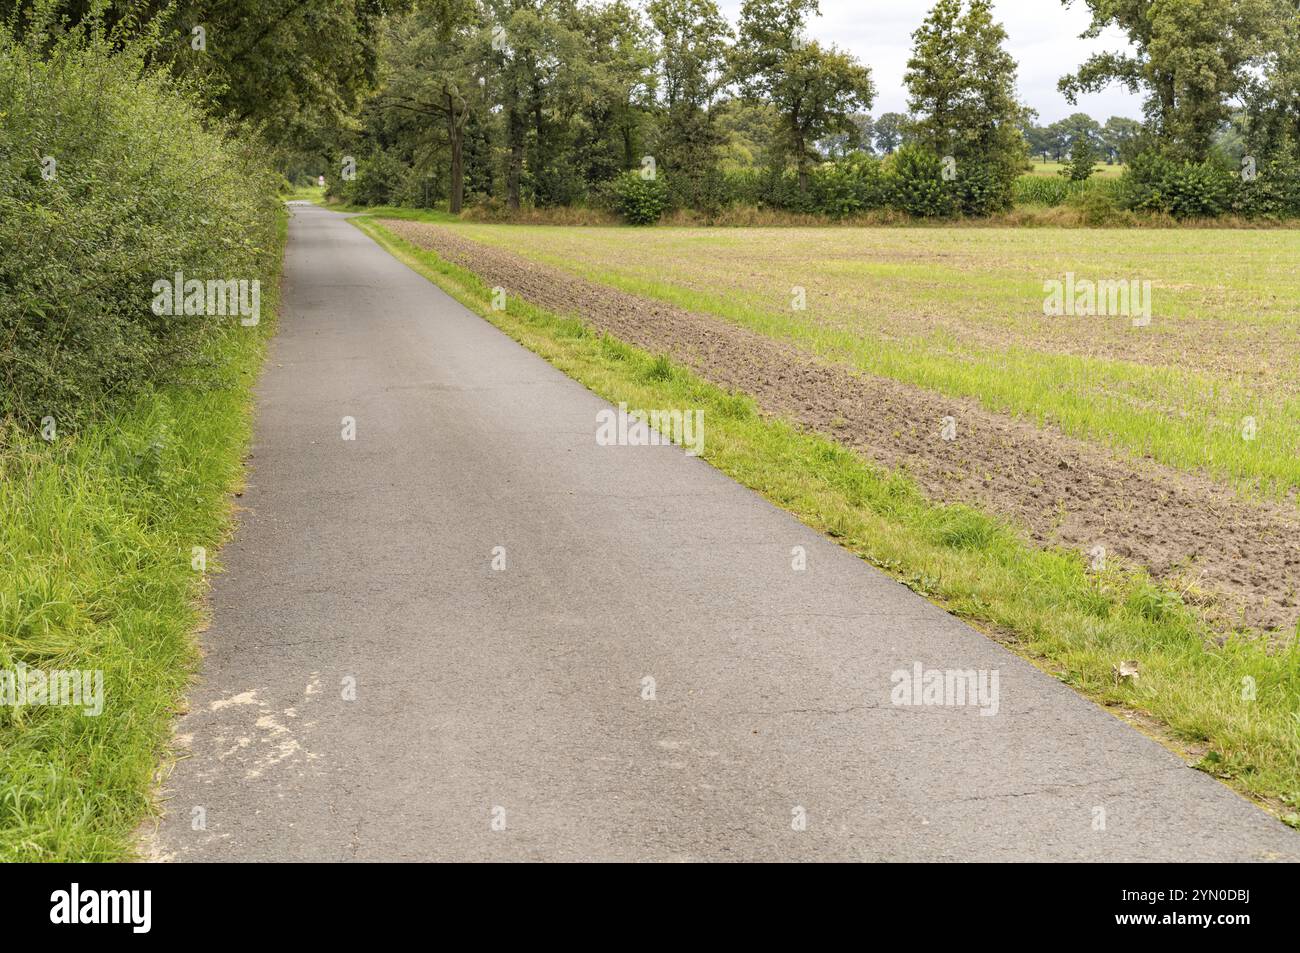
(566, 102)
(561, 102)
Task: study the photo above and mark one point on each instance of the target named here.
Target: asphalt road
(374, 689)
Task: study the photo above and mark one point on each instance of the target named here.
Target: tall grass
(97, 542)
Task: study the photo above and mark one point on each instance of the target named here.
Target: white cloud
(1043, 36)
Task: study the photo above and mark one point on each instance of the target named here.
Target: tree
(297, 69)
(535, 64)
(1271, 119)
(748, 130)
(1121, 137)
(616, 91)
(962, 92)
(1190, 58)
(430, 70)
(1082, 159)
(889, 131)
(814, 90)
(1053, 139)
(1079, 127)
(693, 38)
(864, 132)
(843, 144)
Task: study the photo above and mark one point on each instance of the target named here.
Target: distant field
(960, 311)
(1101, 168)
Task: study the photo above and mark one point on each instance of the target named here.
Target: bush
(139, 185)
(640, 201)
(916, 185)
(1155, 183)
(983, 189)
(909, 181)
(763, 188)
(854, 184)
(379, 179)
(1096, 207)
(1274, 192)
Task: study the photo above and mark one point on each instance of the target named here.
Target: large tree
(533, 58)
(616, 94)
(693, 40)
(430, 72)
(889, 131)
(1272, 114)
(1079, 127)
(295, 68)
(1190, 58)
(815, 90)
(1121, 138)
(961, 83)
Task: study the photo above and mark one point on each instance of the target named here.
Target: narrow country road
(373, 688)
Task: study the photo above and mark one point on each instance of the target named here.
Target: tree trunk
(802, 164)
(457, 115)
(514, 171)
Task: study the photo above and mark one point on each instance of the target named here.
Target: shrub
(983, 189)
(916, 185)
(640, 201)
(851, 185)
(139, 185)
(1096, 207)
(742, 187)
(1155, 183)
(764, 188)
(379, 179)
(1274, 192)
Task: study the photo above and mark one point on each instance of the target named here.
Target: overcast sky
(1042, 35)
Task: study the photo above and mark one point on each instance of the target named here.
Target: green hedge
(1153, 183)
(1212, 188)
(911, 180)
(139, 184)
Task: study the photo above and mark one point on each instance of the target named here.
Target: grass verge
(98, 532)
(1234, 704)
